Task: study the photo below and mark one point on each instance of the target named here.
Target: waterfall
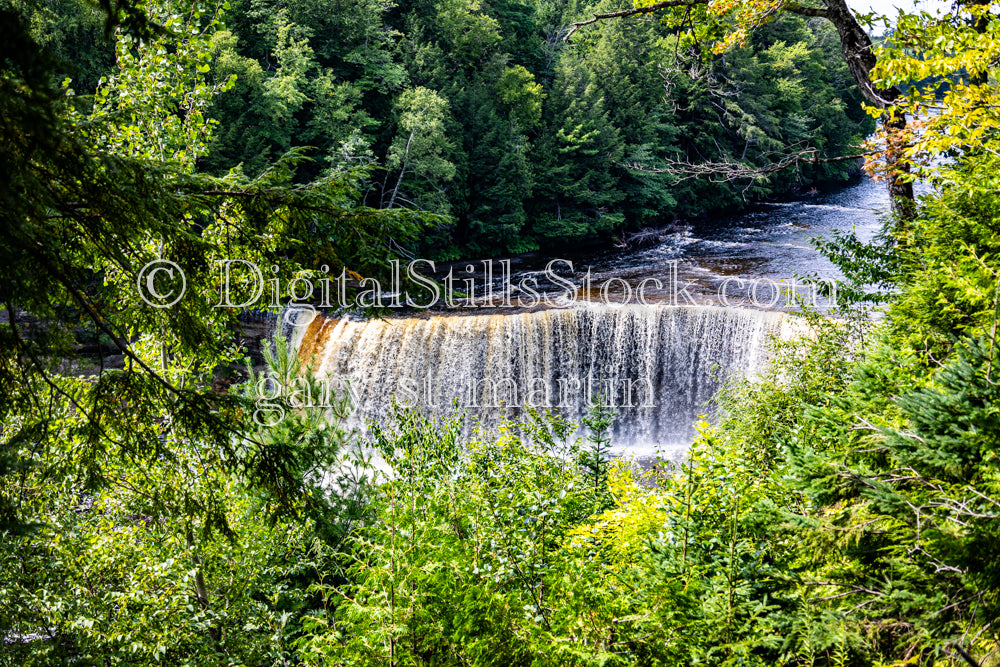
(656, 365)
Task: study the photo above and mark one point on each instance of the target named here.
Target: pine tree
(596, 458)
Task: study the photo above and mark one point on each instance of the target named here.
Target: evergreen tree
(576, 156)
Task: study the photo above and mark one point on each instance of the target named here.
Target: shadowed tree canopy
(84, 207)
(729, 22)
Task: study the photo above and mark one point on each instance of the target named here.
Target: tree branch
(791, 7)
(795, 8)
(965, 655)
(727, 171)
(665, 4)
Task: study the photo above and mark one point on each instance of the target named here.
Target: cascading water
(656, 365)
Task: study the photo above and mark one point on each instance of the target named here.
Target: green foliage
(542, 143)
(175, 558)
(143, 514)
(420, 142)
(462, 548)
(595, 459)
(891, 449)
(522, 141)
(843, 509)
(72, 31)
(579, 148)
(522, 96)
(153, 108)
(952, 272)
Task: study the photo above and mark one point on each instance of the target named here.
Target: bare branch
(728, 171)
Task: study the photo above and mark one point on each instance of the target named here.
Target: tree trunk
(406, 157)
(856, 47)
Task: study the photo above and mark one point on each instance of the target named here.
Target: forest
(484, 115)
(841, 507)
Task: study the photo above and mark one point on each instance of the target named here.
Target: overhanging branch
(665, 4)
(791, 7)
(801, 10)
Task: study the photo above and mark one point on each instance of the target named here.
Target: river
(707, 310)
